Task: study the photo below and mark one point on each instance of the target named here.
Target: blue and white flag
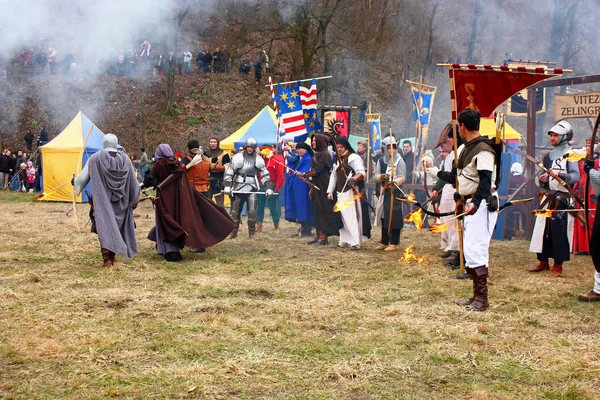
(422, 103)
(374, 131)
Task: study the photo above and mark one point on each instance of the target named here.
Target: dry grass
(274, 318)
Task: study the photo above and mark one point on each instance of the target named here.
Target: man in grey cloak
(115, 194)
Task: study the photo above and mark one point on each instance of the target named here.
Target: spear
(298, 174)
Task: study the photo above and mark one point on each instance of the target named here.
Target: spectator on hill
(51, 59)
(145, 48)
(28, 140)
(245, 66)
(43, 138)
(4, 169)
(41, 59)
(218, 61)
(68, 62)
(257, 71)
(187, 61)
(180, 58)
(30, 180)
(207, 59)
(226, 59)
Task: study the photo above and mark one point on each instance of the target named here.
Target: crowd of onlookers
(144, 60)
(21, 170)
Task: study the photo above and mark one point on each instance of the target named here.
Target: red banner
(484, 89)
(337, 122)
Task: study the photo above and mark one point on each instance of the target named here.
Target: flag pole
(274, 108)
(303, 80)
(459, 221)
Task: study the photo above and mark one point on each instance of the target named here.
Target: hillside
(132, 108)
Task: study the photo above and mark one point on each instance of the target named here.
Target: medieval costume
(115, 193)
(241, 181)
(327, 223)
(552, 235)
(391, 177)
(197, 173)
(276, 167)
(218, 160)
(477, 169)
(297, 202)
(446, 185)
(347, 179)
(594, 295)
(184, 217)
(580, 230)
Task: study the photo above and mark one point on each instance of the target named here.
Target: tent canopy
(65, 156)
(262, 127)
(487, 127)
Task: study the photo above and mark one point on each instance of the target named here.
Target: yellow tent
(65, 156)
(487, 127)
(262, 127)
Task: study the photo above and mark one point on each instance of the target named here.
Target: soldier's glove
(382, 178)
(351, 182)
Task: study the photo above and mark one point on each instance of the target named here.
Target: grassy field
(275, 318)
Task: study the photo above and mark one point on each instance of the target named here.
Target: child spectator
(30, 180)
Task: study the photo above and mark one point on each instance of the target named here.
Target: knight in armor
(551, 234)
(478, 168)
(218, 160)
(391, 177)
(242, 183)
(347, 180)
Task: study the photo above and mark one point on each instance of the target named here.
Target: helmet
(110, 141)
(563, 128)
(250, 142)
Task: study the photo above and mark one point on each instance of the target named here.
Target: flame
(416, 217)
(575, 157)
(547, 213)
(410, 256)
(342, 205)
(410, 196)
(439, 228)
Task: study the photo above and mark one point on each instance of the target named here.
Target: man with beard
(115, 192)
(184, 217)
(241, 181)
(347, 180)
(327, 223)
(218, 160)
(551, 235)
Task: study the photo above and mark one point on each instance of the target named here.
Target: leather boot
(322, 239)
(314, 240)
(472, 299)
(107, 257)
(542, 266)
(591, 297)
(259, 227)
(306, 229)
(445, 254)
(391, 247)
(251, 228)
(234, 232)
(556, 269)
(381, 246)
(480, 303)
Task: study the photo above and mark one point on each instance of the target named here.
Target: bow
(590, 156)
(546, 170)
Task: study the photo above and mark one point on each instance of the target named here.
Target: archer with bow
(391, 175)
(550, 238)
(444, 189)
(347, 179)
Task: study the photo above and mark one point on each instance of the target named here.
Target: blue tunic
(297, 202)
